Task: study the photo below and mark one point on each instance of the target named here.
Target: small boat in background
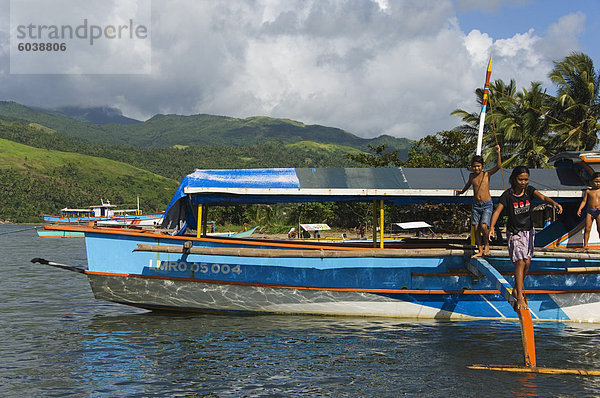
(103, 214)
(242, 234)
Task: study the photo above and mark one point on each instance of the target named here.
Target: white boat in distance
(105, 214)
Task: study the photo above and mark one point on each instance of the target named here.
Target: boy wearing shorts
(483, 206)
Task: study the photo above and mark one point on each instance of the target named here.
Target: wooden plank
(583, 269)
(331, 253)
(509, 368)
(301, 253)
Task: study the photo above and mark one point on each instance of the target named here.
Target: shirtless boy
(591, 198)
(483, 205)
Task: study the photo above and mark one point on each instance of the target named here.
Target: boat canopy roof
(392, 185)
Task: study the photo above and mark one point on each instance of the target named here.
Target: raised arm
(548, 200)
(498, 162)
(458, 192)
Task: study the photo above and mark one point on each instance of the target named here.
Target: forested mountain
(95, 115)
(200, 130)
(49, 161)
(177, 161)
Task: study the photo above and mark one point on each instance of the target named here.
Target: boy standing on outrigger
(591, 198)
(483, 205)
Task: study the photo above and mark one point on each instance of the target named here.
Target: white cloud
(478, 45)
(562, 36)
(370, 67)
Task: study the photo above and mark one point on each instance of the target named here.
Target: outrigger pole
(524, 315)
(486, 95)
(481, 266)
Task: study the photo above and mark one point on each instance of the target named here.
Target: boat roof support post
(381, 218)
(199, 226)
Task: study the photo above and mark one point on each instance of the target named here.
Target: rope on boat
(18, 230)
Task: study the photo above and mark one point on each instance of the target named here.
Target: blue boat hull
(437, 287)
(141, 219)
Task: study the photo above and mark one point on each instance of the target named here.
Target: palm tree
(577, 106)
(525, 130)
(516, 121)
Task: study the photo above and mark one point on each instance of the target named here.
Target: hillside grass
(36, 181)
(311, 146)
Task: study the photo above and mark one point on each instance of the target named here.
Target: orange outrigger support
(527, 337)
(480, 266)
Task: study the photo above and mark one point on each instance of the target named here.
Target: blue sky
(506, 18)
(370, 67)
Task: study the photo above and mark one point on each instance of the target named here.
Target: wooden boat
(179, 267)
(106, 214)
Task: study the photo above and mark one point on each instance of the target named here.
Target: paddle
(57, 265)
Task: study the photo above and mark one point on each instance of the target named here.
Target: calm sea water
(57, 340)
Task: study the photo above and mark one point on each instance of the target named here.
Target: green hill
(12, 111)
(200, 130)
(177, 161)
(36, 181)
(57, 171)
(95, 115)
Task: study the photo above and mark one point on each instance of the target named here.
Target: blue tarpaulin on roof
(179, 213)
(244, 178)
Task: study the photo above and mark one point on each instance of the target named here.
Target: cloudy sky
(371, 67)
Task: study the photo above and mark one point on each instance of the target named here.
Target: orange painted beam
(527, 337)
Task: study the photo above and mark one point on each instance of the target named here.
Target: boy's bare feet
(486, 252)
(478, 254)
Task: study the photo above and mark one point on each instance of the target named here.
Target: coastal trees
(500, 103)
(522, 126)
(576, 108)
(450, 148)
(515, 121)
